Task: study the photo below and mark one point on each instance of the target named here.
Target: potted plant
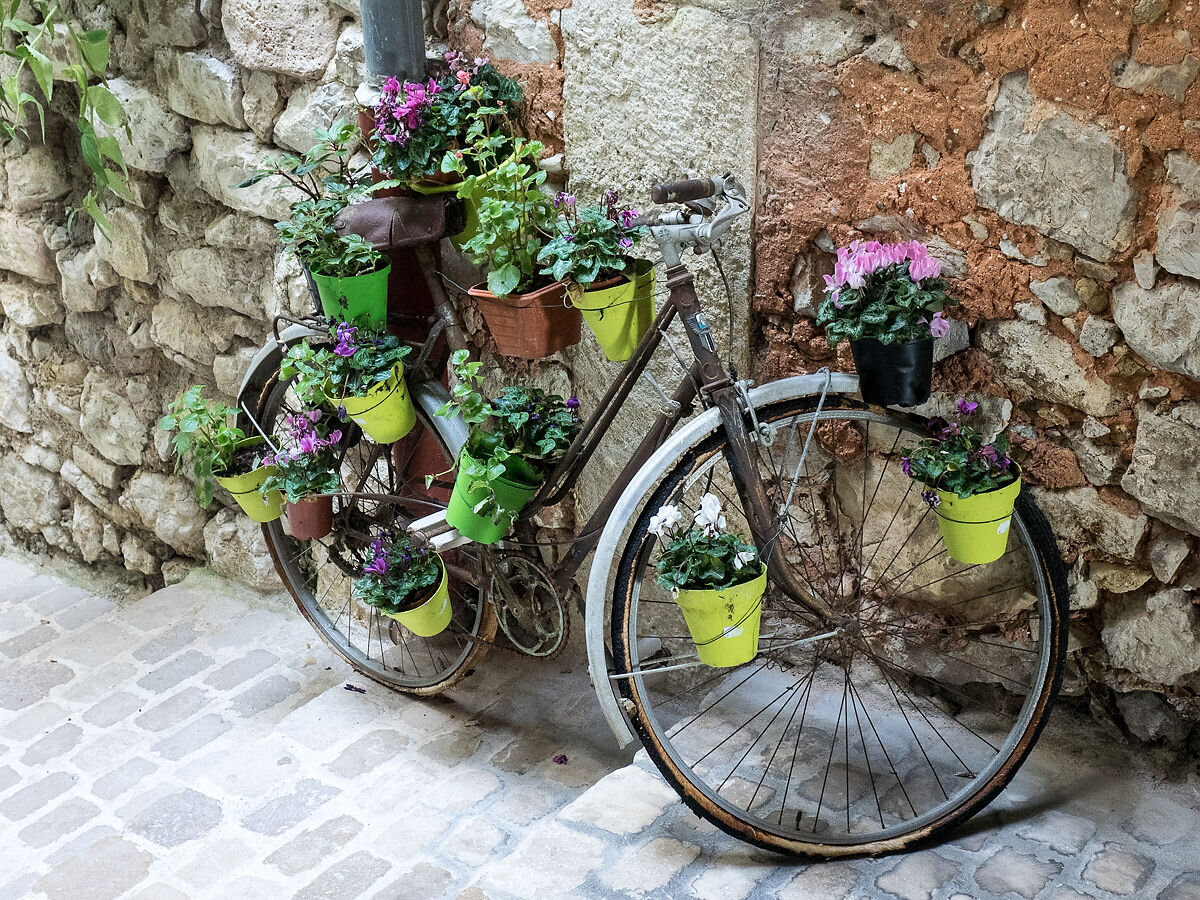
(406, 583)
(221, 453)
(716, 578)
(526, 312)
(972, 485)
(515, 440)
(888, 301)
(350, 275)
(589, 249)
(305, 471)
(361, 373)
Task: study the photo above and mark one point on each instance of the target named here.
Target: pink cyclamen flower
(392, 86)
(464, 78)
(377, 566)
(939, 326)
(626, 243)
(967, 407)
(335, 436)
(309, 443)
(924, 267)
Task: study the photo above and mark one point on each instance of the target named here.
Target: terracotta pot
(529, 326)
(312, 518)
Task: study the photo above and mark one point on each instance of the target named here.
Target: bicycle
(948, 671)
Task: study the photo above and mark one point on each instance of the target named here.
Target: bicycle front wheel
(897, 718)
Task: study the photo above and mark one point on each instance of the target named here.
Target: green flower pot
(385, 413)
(244, 488)
(361, 299)
(431, 617)
(724, 624)
(470, 208)
(460, 513)
(975, 528)
(620, 312)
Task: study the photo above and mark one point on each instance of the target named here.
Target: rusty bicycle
(895, 692)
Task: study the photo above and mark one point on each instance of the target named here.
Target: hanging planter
(619, 311)
(385, 413)
(532, 325)
(310, 519)
(360, 299)
(975, 529)
(431, 615)
(894, 374)
(724, 624)
(257, 506)
(510, 497)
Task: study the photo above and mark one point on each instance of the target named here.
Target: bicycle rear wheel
(897, 720)
(384, 489)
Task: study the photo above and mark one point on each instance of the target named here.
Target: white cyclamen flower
(745, 558)
(664, 521)
(709, 517)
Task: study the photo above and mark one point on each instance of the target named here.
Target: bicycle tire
(475, 633)
(1042, 550)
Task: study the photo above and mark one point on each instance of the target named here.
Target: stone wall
(1048, 150)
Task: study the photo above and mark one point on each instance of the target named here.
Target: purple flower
(1004, 464)
(314, 415)
(341, 413)
(626, 243)
(572, 403)
(534, 417)
(931, 498)
(938, 427)
(569, 238)
(923, 267)
(988, 452)
(967, 407)
(939, 327)
(335, 436)
(563, 199)
(905, 465)
(377, 566)
(560, 759)
(392, 86)
(627, 217)
(610, 197)
(344, 349)
(309, 443)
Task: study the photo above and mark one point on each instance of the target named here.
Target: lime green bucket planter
(361, 299)
(431, 617)
(460, 512)
(975, 529)
(244, 488)
(724, 624)
(385, 413)
(621, 314)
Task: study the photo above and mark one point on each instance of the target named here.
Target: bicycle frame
(707, 381)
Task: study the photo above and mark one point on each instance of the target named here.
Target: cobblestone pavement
(202, 742)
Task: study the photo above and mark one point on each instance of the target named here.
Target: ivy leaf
(106, 105)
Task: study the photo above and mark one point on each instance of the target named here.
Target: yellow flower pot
(620, 313)
(431, 617)
(724, 624)
(244, 488)
(975, 528)
(385, 413)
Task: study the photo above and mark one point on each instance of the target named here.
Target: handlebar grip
(683, 191)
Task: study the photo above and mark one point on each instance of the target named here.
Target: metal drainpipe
(393, 39)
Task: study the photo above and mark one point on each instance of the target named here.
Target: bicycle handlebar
(684, 191)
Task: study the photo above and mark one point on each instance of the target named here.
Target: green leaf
(107, 106)
(94, 48)
(43, 69)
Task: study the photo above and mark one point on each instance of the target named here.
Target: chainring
(531, 612)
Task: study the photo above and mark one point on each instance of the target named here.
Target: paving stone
(37, 720)
(1062, 892)
(731, 876)
(422, 882)
(553, 865)
(25, 685)
(650, 866)
(1010, 870)
(177, 818)
(113, 709)
(278, 815)
(523, 804)
(214, 860)
(918, 876)
(67, 817)
(108, 869)
(1059, 831)
(180, 668)
(8, 777)
(473, 843)
(37, 795)
(236, 671)
(62, 739)
(462, 790)
(1118, 870)
(20, 887)
(1160, 821)
(624, 802)
(82, 612)
(451, 749)
(50, 595)
(326, 720)
(822, 881)
(159, 892)
(122, 778)
(167, 644)
(369, 752)
(198, 734)
(309, 848)
(29, 640)
(348, 879)
(79, 843)
(1183, 887)
(97, 644)
(272, 690)
(173, 710)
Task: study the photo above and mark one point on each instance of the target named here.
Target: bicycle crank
(531, 612)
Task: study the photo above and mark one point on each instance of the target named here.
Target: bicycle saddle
(392, 222)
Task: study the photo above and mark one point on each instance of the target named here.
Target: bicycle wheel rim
(767, 830)
(372, 643)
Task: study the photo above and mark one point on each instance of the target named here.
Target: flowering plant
(203, 433)
(329, 182)
(892, 293)
(358, 360)
(701, 555)
(399, 575)
(956, 458)
(416, 123)
(590, 243)
(305, 465)
(520, 434)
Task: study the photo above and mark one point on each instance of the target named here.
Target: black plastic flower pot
(893, 374)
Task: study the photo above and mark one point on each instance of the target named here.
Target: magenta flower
(335, 436)
(572, 403)
(924, 267)
(939, 326)
(309, 443)
(377, 566)
(314, 415)
(967, 407)
(988, 452)
(905, 465)
(392, 86)
(627, 217)
(464, 79)
(626, 243)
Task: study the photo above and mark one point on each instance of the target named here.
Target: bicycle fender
(626, 510)
(266, 363)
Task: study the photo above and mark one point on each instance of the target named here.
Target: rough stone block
(154, 131)
(200, 86)
(1157, 639)
(35, 177)
(310, 108)
(111, 421)
(236, 549)
(1161, 325)
(292, 37)
(128, 246)
(1162, 473)
(166, 505)
(177, 818)
(221, 159)
(23, 250)
(1081, 519)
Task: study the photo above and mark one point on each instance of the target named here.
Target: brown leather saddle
(390, 223)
